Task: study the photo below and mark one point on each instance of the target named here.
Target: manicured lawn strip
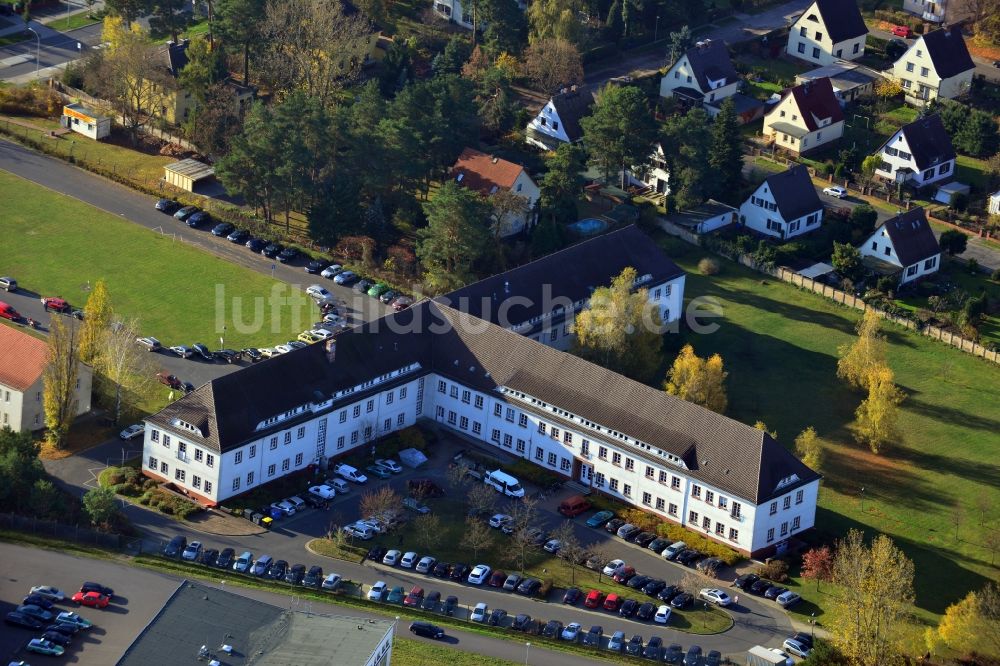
(67, 23)
(780, 344)
(972, 171)
(406, 652)
(37, 541)
(57, 245)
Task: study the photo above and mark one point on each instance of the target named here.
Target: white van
(350, 473)
(504, 483)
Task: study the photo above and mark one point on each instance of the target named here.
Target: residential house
(559, 120)
(463, 16)
(829, 30)
(703, 75)
(541, 299)
(850, 80)
(905, 245)
(807, 117)
(784, 206)
(993, 206)
(919, 153)
(654, 175)
(22, 383)
(939, 11)
(937, 65)
(488, 175)
(527, 401)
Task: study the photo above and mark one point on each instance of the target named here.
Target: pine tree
(97, 316)
(455, 238)
(726, 156)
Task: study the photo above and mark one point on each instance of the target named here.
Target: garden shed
(186, 174)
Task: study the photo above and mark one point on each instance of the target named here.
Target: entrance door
(583, 472)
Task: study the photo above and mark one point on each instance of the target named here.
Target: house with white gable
(807, 117)
(993, 204)
(559, 120)
(903, 245)
(939, 11)
(704, 75)
(784, 206)
(463, 16)
(654, 174)
(828, 31)
(488, 174)
(919, 153)
(937, 65)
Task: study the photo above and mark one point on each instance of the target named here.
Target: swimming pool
(589, 226)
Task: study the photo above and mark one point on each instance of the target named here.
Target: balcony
(183, 457)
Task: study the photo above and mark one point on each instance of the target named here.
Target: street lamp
(862, 499)
(812, 625)
(656, 31)
(38, 47)
(527, 648)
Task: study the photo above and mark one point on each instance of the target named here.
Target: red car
(55, 304)
(415, 597)
(902, 31)
(612, 602)
(169, 380)
(92, 599)
(8, 312)
(594, 598)
(497, 579)
(622, 575)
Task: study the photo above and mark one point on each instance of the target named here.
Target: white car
(480, 613)
(409, 559)
(281, 349)
(318, 292)
(323, 491)
(552, 546)
(375, 524)
(151, 344)
(268, 352)
(662, 614)
(425, 564)
(499, 520)
(786, 599)
(796, 648)
(571, 631)
(479, 574)
(322, 333)
(331, 271)
(48, 592)
(331, 582)
(285, 507)
(611, 567)
(389, 464)
(132, 431)
(192, 551)
(788, 660)
(377, 591)
(835, 191)
(392, 557)
(182, 351)
(715, 596)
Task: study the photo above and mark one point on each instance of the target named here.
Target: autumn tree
(760, 425)
(379, 502)
(455, 237)
(885, 91)
(62, 369)
(478, 536)
(96, 320)
(620, 329)
(859, 360)
(971, 624)
(620, 131)
(426, 531)
(506, 208)
(866, 176)
(876, 594)
(817, 564)
(809, 448)
(554, 19)
(570, 548)
(552, 63)
(878, 414)
(698, 380)
(125, 373)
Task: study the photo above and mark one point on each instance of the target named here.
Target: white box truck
(761, 656)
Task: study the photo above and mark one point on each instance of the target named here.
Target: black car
(646, 611)
(426, 629)
(631, 533)
(240, 236)
(682, 600)
(644, 539)
(653, 587)
(713, 658)
(21, 620)
(223, 229)
(690, 558)
(209, 557)
(225, 559)
(746, 580)
(593, 637)
(693, 656)
(37, 600)
(175, 547)
(553, 629)
(202, 350)
(459, 572)
(760, 587)
(256, 244)
(431, 601)
(441, 570)
(658, 545)
(295, 574)
(774, 591)
(314, 578)
(198, 219)
(252, 353)
(673, 654)
(521, 622)
(314, 267)
(227, 355)
(611, 527)
(167, 205)
(363, 285)
(67, 628)
(377, 553)
(277, 570)
(184, 213)
(529, 587)
(634, 646)
(57, 637)
(653, 648)
(668, 593)
(450, 604)
(389, 296)
(497, 617)
(629, 608)
(638, 582)
(288, 254)
(572, 596)
(272, 250)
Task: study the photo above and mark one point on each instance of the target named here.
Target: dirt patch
(983, 49)
(218, 523)
(82, 436)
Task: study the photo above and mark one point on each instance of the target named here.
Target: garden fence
(57, 530)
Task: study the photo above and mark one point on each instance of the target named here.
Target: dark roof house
(794, 193)
(912, 237)
(947, 50)
(927, 140)
(710, 60)
(842, 19)
(175, 56)
(572, 105)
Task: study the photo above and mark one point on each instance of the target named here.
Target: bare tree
(570, 548)
(552, 63)
(992, 543)
(59, 378)
(125, 371)
(984, 504)
(957, 517)
(523, 515)
(604, 552)
(481, 500)
(457, 474)
(478, 536)
(379, 502)
(426, 529)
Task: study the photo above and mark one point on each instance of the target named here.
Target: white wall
(547, 122)
(919, 178)
(681, 75)
(810, 40)
(12, 406)
(916, 74)
(756, 213)
(880, 246)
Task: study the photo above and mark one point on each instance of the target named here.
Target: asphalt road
(17, 61)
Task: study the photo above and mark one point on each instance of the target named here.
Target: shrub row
(167, 503)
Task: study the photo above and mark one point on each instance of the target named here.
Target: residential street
(17, 61)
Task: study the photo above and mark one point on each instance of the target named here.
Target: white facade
(23, 409)
(681, 75)
(654, 174)
(525, 187)
(786, 124)
(879, 246)
(898, 164)
(453, 10)
(809, 39)
(920, 81)
(934, 11)
(994, 204)
(760, 213)
(547, 122)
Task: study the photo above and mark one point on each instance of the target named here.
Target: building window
(815, 52)
(253, 450)
(602, 452)
(737, 507)
(271, 469)
(924, 71)
(722, 502)
(706, 523)
(166, 440)
(522, 420)
(774, 508)
(616, 458)
(928, 265)
(564, 464)
(598, 479)
(650, 472)
(354, 437)
(208, 486)
(343, 416)
(164, 468)
(672, 509)
(770, 534)
(466, 396)
(509, 415)
(198, 455)
(154, 436)
(798, 497)
(520, 446)
(614, 485)
(210, 460)
(451, 417)
(298, 460)
(802, 32)
(288, 437)
(734, 535)
(627, 490)
(819, 36)
(441, 386)
(857, 47)
(568, 438)
(236, 483)
(663, 476)
(463, 423)
(477, 428)
(787, 503)
(660, 504)
(495, 435)
(795, 523)
(479, 402)
(554, 433)
(720, 529)
(696, 491)
(498, 410)
(387, 424)
(274, 443)
(400, 420)
(196, 481)
(340, 442)
(152, 463)
(238, 458)
(709, 496)
(539, 454)
(630, 464)
(784, 528)
(285, 464)
(508, 441)
(402, 393)
(388, 398)
(675, 483)
(440, 412)
(888, 251)
(357, 411)
(693, 517)
(249, 478)
(553, 459)
(801, 47)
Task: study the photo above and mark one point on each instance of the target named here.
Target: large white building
(919, 153)
(828, 31)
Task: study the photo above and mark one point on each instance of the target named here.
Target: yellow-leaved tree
(62, 368)
(858, 360)
(698, 380)
(760, 425)
(878, 415)
(970, 624)
(809, 448)
(96, 320)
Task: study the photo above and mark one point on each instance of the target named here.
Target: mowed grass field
(56, 246)
(780, 345)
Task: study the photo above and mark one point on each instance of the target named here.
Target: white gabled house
(704, 75)
(919, 153)
(828, 31)
(808, 117)
(784, 206)
(559, 120)
(654, 174)
(906, 244)
(462, 16)
(488, 174)
(937, 65)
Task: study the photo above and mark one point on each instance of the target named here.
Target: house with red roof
(488, 174)
(807, 117)
(22, 365)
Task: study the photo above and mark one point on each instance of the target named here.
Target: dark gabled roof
(175, 56)
(710, 60)
(911, 237)
(927, 140)
(793, 192)
(571, 106)
(570, 274)
(842, 19)
(948, 51)
(816, 101)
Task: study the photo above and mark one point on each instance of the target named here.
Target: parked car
(682, 600)
(450, 604)
(46, 647)
(593, 599)
(710, 565)
(431, 601)
(48, 592)
(363, 285)
(634, 646)
(313, 578)
(57, 637)
(415, 505)
(223, 229)
(414, 598)
(774, 592)
(903, 31)
(183, 351)
(314, 267)
(167, 206)
(388, 296)
(331, 582)
(257, 245)
(225, 559)
(715, 596)
(55, 304)
(480, 573)
(200, 218)
(796, 648)
(277, 570)
(612, 602)
(611, 527)
(378, 471)
(400, 303)
(653, 587)
(662, 614)
(552, 546)
(638, 581)
(91, 599)
(616, 641)
(426, 564)
(202, 350)
(295, 574)
(571, 632)
(760, 587)
(498, 520)
(240, 236)
(323, 491)
(623, 575)
(377, 591)
(593, 636)
(192, 551)
(600, 518)
(396, 595)
(713, 658)
(628, 608)
(653, 648)
(512, 582)
(497, 617)
(331, 271)
(480, 613)
(693, 656)
(8, 283)
(389, 464)
(658, 545)
(521, 622)
(132, 431)
(643, 539)
(151, 344)
(572, 596)
(529, 587)
(288, 254)
(835, 191)
(24, 620)
(553, 628)
(744, 581)
(73, 618)
(272, 250)
(646, 611)
(788, 599)
(175, 546)
(611, 567)
(668, 593)
(441, 570)
(345, 278)
(228, 355)
(184, 213)
(427, 630)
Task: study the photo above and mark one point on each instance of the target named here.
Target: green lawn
(972, 171)
(775, 69)
(406, 652)
(958, 274)
(56, 245)
(73, 22)
(780, 349)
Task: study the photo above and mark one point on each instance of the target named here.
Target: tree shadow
(950, 415)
